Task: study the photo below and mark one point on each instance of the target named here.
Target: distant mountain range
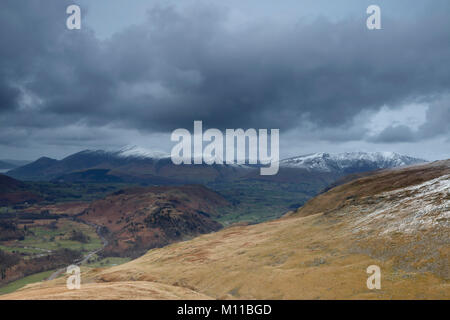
(349, 162)
(254, 198)
(121, 166)
(141, 166)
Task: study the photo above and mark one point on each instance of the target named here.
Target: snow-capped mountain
(128, 152)
(139, 152)
(141, 165)
(349, 162)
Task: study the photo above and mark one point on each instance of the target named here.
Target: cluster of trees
(10, 231)
(7, 260)
(79, 236)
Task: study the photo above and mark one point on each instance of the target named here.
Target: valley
(397, 219)
(109, 221)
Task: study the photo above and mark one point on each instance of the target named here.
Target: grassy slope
(297, 258)
(15, 285)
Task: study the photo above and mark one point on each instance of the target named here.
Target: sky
(137, 70)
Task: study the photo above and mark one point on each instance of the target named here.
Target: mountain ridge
(134, 162)
(347, 162)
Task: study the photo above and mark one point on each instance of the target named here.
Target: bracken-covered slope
(396, 219)
(141, 218)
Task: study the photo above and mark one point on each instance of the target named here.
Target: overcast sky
(137, 70)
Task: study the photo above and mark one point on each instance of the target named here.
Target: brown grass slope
(396, 219)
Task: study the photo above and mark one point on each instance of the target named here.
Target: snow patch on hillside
(409, 209)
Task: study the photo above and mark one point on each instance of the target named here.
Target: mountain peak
(42, 159)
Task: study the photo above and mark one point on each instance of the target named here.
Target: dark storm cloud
(9, 97)
(196, 65)
(437, 119)
(399, 133)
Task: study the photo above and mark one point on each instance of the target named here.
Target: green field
(45, 238)
(17, 249)
(41, 239)
(258, 201)
(15, 285)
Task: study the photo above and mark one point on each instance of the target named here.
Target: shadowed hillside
(14, 192)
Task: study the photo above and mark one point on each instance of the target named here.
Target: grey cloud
(398, 133)
(178, 67)
(437, 123)
(437, 119)
(9, 97)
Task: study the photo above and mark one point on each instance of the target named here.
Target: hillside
(396, 219)
(138, 219)
(35, 170)
(14, 192)
(8, 184)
